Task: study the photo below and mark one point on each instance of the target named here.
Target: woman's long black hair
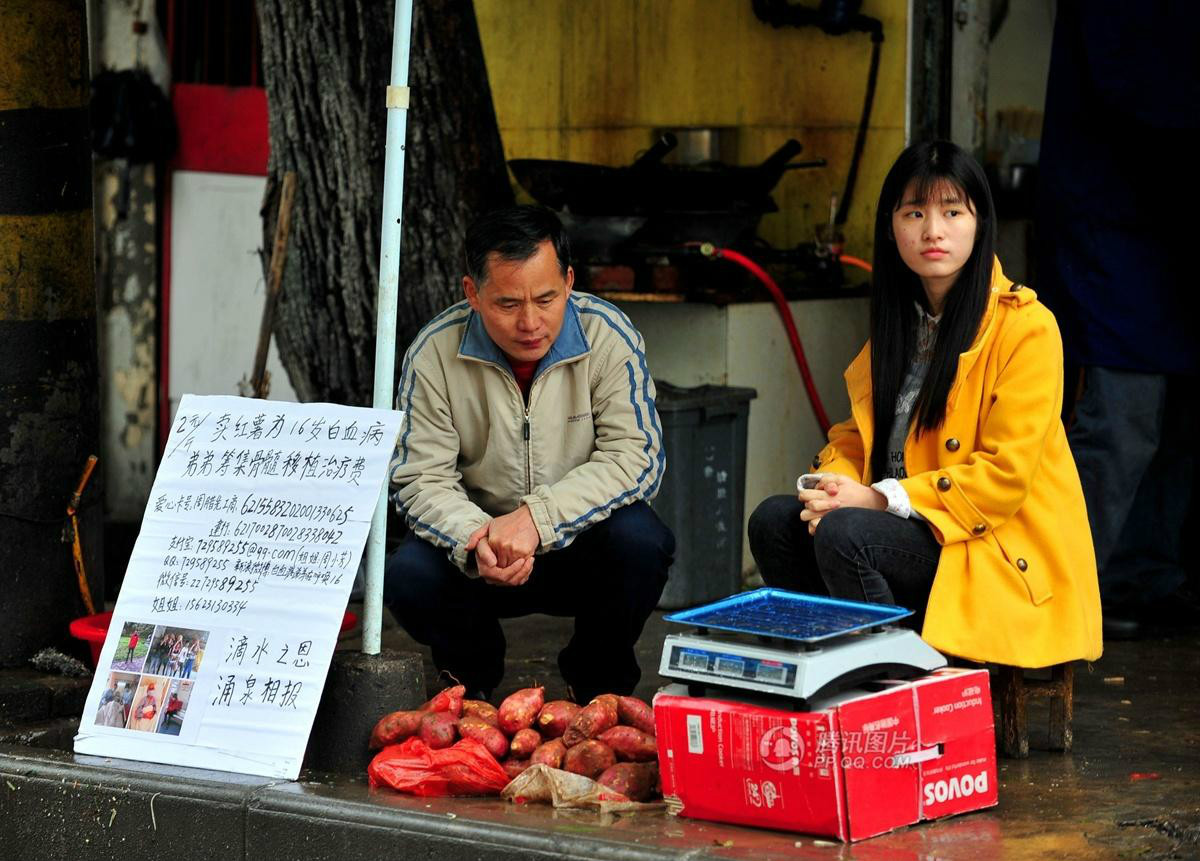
(895, 289)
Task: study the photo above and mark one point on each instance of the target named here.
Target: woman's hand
(837, 491)
(817, 503)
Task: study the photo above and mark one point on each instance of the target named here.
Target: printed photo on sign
(117, 700)
(147, 702)
(176, 652)
(133, 646)
(174, 710)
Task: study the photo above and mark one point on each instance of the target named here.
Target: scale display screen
(696, 661)
(734, 667)
(769, 673)
(724, 665)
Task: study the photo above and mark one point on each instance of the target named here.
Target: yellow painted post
(49, 392)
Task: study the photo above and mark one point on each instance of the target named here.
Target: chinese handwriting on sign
(259, 684)
(285, 448)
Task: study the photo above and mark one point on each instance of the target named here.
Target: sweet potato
(524, 743)
(593, 719)
(589, 758)
(394, 728)
(482, 710)
(552, 720)
(520, 710)
(438, 729)
(447, 700)
(513, 767)
(630, 744)
(610, 700)
(634, 712)
(635, 780)
(473, 726)
(549, 753)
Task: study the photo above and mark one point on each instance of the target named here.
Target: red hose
(789, 323)
(855, 261)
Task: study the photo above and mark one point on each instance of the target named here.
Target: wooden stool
(1015, 691)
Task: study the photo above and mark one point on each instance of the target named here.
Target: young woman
(173, 655)
(950, 489)
(193, 648)
(161, 653)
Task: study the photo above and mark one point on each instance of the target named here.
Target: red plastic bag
(464, 768)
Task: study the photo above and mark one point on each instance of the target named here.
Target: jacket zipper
(528, 444)
(528, 453)
(525, 426)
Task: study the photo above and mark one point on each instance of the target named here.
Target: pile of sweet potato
(610, 740)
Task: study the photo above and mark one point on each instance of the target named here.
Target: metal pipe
(385, 305)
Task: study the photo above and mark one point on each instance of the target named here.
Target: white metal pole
(385, 305)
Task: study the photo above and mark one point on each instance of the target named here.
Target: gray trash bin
(702, 498)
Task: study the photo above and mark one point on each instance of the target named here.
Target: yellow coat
(1016, 583)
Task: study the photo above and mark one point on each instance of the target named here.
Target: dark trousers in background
(856, 554)
(1134, 442)
(609, 579)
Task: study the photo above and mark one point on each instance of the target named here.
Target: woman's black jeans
(856, 554)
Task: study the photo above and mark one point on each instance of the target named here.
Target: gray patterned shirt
(927, 327)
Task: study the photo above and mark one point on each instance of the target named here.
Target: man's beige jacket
(588, 441)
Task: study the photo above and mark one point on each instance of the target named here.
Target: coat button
(952, 444)
(943, 483)
(817, 462)
(979, 528)
(1022, 564)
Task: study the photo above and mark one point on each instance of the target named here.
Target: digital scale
(792, 645)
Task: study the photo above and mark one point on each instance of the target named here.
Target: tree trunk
(326, 65)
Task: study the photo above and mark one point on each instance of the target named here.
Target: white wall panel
(217, 286)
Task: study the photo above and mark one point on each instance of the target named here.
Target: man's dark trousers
(609, 578)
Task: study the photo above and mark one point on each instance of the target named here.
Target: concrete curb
(57, 805)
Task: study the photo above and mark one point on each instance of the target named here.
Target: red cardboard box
(861, 763)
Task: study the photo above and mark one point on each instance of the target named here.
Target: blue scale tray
(789, 615)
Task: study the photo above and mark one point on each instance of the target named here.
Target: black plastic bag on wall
(132, 120)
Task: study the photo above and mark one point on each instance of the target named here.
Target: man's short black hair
(514, 233)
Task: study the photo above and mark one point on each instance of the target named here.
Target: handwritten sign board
(230, 609)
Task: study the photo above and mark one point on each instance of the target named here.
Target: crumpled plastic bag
(563, 789)
(464, 768)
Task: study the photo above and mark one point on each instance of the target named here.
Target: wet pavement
(1129, 790)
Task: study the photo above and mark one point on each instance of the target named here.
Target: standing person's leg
(442, 608)
(875, 556)
(1148, 562)
(782, 547)
(1114, 435)
(610, 579)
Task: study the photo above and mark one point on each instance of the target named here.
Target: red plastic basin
(93, 629)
